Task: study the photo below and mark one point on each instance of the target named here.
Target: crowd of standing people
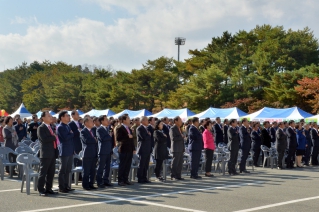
(95, 139)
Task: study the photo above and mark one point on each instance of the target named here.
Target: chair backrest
(4, 154)
(26, 141)
(265, 150)
(33, 144)
(27, 160)
(221, 145)
(22, 144)
(24, 149)
(135, 160)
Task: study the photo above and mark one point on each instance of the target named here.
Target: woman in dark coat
(160, 148)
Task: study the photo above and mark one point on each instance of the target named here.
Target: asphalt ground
(264, 189)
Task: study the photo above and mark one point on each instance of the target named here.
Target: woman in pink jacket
(209, 147)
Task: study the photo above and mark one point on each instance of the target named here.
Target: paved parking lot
(263, 190)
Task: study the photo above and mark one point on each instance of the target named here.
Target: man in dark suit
(233, 146)
(32, 129)
(292, 144)
(245, 143)
(166, 128)
(89, 159)
(48, 148)
(281, 143)
(315, 144)
(225, 129)
(218, 132)
(201, 126)
(265, 134)
(76, 128)
(195, 147)
(66, 151)
(177, 148)
(150, 128)
(126, 149)
(21, 130)
(256, 143)
(144, 148)
(97, 124)
(105, 150)
(309, 143)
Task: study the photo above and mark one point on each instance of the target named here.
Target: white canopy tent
(22, 111)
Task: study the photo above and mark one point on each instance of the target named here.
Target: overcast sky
(126, 33)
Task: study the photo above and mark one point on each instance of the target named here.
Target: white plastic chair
(4, 161)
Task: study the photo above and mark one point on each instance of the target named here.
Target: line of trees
(266, 66)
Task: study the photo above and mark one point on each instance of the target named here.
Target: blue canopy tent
(133, 113)
(275, 114)
(223, 113)
(98, 113)
(170, 113)
(22, 111)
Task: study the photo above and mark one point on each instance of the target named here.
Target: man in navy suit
(166, 128)
(233, 146)
(66, 151)
(245, 144)
(89, 145)
(21, 129)
(105, 147)
(273, 130)
(195, 147)
(218, 132)
(226, 123)
(76, 128)
(315, 144)
(292, 144)
(144, 148)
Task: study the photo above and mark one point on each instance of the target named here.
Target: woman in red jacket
(209, 147)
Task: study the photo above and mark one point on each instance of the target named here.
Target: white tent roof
(22, 111)
(312, 119)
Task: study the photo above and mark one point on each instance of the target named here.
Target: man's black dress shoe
(63, 191)
(245, 171)
(179, 178)
(108, 184)
(101, 186)
(70, 189)
(128, 183)
(141, 181)
(92, 187)
(87, 188)
(121, 184)
(51, 192)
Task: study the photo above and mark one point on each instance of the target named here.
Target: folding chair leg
(70, 179)
(35, 183)
(76, 178)
(1, 171)
(265, 160)
(22, 183)
(28, 185)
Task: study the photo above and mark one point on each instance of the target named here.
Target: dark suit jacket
(65, 136)
(177, 140)
(195, 139)
(308, 137)
(33, 132)
(94, 131)
(201, 129)
(46, 140)
(168, 139)
(144, 140)
(225, 134)
(151, 130)
(233, 139)
(281, 140)
(105, 141)
(89, 144)
(265, 137)
(160, 145)
(21, 133)
(218, 134)
(245, 139)
(125, 144)
(314, 137)
(256, 140)
(292, 138)
(76, 138)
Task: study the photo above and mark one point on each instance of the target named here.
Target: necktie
(91, 133)
(128, 131)
(54, 144)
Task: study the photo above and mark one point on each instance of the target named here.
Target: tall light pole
(179, 41)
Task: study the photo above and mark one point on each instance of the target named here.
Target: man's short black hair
(62, 113)
(101, 118)
(195, 119)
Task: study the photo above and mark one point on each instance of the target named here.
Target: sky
(124, 34)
